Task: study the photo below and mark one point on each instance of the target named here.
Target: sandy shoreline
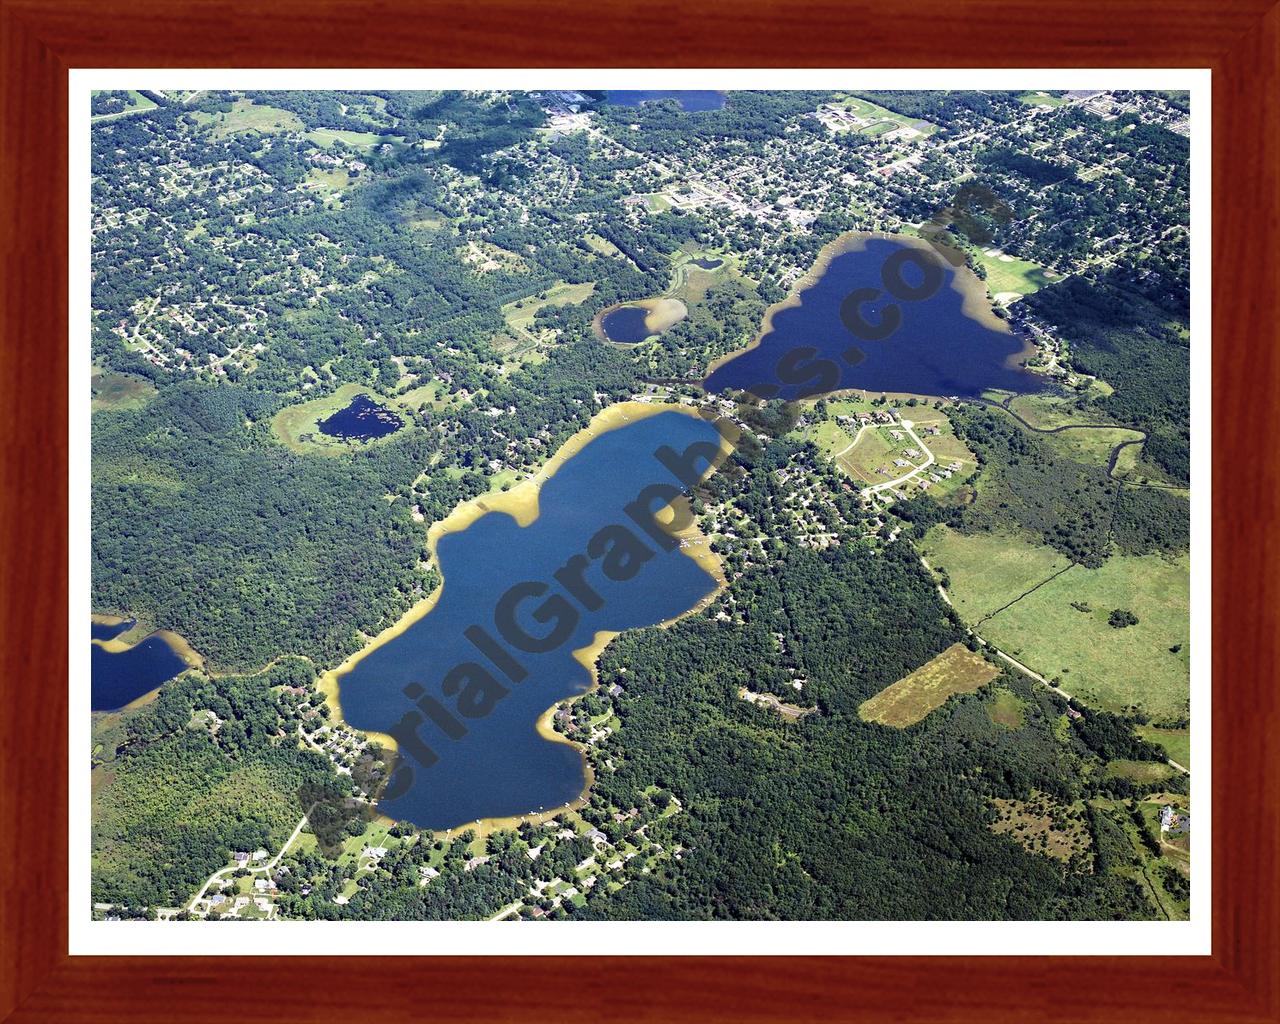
(521, 503)
(972, 290)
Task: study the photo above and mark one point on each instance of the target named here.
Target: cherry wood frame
(41, 39)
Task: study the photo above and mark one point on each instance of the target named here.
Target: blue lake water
(691, 100)
(105, 631)
(362, 420)
(935, 349)
(502, 766)
(626, 324)
(118, 679)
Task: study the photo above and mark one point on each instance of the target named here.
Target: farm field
(912, 698)
(1061, 631)
(329, 183)
(987, 571)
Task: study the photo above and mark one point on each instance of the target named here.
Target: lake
(691, 100)
(503, 766)
(626, 325)
(119, 678)
(948, 343)
(362, 420)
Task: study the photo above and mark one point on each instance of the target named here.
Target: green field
(1106, 667)
(1141, 772)
(1114, 669)
(119, 391)
(988, 570)
(434, 394)
(520, 314)
(329, 183)
(1033, 99)
(1005, 708)
(356, 140)
(247, 116)
(1086, 444)
(1008, 275)
(1176, 743)
(912, 698)
(867, 109)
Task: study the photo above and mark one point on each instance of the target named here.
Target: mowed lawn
(911, 699)
(356, 140)
(986, 571)
(1008, 274)
(1061, 631)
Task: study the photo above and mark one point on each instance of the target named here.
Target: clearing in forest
(911, 699)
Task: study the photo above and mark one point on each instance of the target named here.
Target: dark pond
(502, 766)
(117, 679)
(708, 262)
(626, 324)
(689, 99)
(362, 420)
(935, 350)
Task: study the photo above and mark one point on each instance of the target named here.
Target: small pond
(362, 420)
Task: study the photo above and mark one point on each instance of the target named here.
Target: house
(259, 854)
(475, 862)
(614, 690)
(240, 858)
(218, 900)
(583, 865)
(1167, 817)
(376, 852)
(597, 837)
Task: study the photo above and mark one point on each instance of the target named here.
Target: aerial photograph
(597, 505)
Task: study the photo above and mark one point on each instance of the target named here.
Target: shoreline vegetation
(521, 503)
(661, 314)
(972, 291)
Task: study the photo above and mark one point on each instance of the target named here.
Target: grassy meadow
(912, 698)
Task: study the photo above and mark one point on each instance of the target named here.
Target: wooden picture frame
(41, 39)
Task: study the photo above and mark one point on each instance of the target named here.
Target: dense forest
(834, 817)
(174, 795)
